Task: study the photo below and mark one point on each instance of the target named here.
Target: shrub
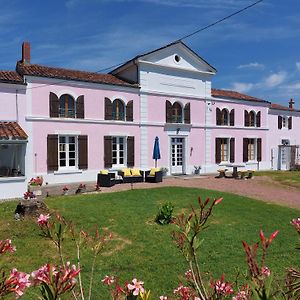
(165, 214)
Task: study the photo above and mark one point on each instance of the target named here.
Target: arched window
(252, 116)
(66, 106)
(176, 113)
(118, 110)
(224, 117)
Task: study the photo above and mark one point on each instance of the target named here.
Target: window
(176, 113)
(252, 149)
(252, 118)
(224, 117)
(118, 151)
(67, 152)
(118, 110)
(285, 122)
(225, 148)
(66, 106)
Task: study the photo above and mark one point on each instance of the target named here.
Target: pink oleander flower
(136, 287)
(296, 224)
(265, 271)
(221, 287)
(243, 293)
(16, 283)
(183, 292)
(43, 219)
(163, 298)
(188, 275)
(196, 298)
(5, 245)
(108, 280)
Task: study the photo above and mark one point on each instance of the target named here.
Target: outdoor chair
(154, 178)
(131, 175)
(250, 174)
(242, 174)
(106, 180)
(222, 173)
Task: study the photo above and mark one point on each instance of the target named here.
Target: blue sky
(256, 52)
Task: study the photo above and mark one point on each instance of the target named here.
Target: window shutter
(187, 113)
(80, 107)
(245, 149)
(130, 151)
(218, 150)
(107, 109)
(246, 118)
(52, 152)
(129, 111)
(53, 105)
(279, 122)
(168, 112)
(290, 123)
(218, 116)
(82, 152)
(232, 150)
(259, 149)
(258, 119)
(107, 151)
(231, 118)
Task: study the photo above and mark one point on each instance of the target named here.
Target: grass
(287, 178)
(144, 249)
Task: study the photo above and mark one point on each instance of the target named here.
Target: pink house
(66, 125)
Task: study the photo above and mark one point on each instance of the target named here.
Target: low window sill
(13, 179)
(63, 172)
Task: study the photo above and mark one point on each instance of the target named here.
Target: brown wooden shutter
(218, 150)
(80, 107)
(107, 109)
(231, 118)
(53, 105)
(246, 119)
(245, 149)
(259, 149)
(187, 113)
(168, 112)
(218, 116)
(258, 119)
(130, 151)
(232, 150)
(82, 152)
(290, 123)
(129, 111)
(107, 151)
(52, 152)
(279, 122)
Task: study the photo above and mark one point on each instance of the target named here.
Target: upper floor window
(66, 106)
(117, 110)
(224, 117)
(252, 118)
(175, 113)
(284, 122)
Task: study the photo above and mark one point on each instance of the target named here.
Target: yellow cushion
(135, 172)
(104, 172)
(153, 170)
(126, 172)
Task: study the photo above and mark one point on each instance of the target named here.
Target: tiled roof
(281, 107)
(234, 95)
(12, 130)
(10, 77)
(68, 74)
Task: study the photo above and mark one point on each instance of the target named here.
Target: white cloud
(242, 87)
(293, 87)
(253, 65)
(275, 79)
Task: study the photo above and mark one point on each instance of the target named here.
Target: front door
(177, 155)
(284, 152)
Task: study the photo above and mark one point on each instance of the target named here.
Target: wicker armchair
(154, 179)
(106, 180)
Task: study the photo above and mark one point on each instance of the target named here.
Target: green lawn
(144, 249)
(287, 178)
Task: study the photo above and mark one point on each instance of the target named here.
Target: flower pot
(36, 189)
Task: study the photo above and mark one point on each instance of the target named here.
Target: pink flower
(296, 224)
(242, 295)
(265, 271)
(221, 287)
(188, 275)
(163, 298)
(17, 282)
(183, 292)
(108, 280)
(136, 287)
(5, 245)
(43, 219)
(196, 298)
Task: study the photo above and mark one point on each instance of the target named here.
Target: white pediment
(177, 56)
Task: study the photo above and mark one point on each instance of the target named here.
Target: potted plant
(65, 190)
(164, 171)
(34, 185)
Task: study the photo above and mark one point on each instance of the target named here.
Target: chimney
(291, 103)
(26, 53)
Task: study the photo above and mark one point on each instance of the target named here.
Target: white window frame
(285, 122)
(255, 150)
(67, 167)
(118, 164)
(228, 150)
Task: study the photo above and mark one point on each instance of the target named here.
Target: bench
(222, 173)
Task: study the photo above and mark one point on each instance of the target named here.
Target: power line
(183, 38)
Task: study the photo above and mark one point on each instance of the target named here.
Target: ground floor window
(251, 149)
(224, 150)
(67, 151)
(118, 151)
(12, 159)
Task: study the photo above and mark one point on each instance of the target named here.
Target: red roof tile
(10, 77)
(281, 107)
(12, 130)
(68, 74)
(234, 95)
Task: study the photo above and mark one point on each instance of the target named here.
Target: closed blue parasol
(156, 151)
